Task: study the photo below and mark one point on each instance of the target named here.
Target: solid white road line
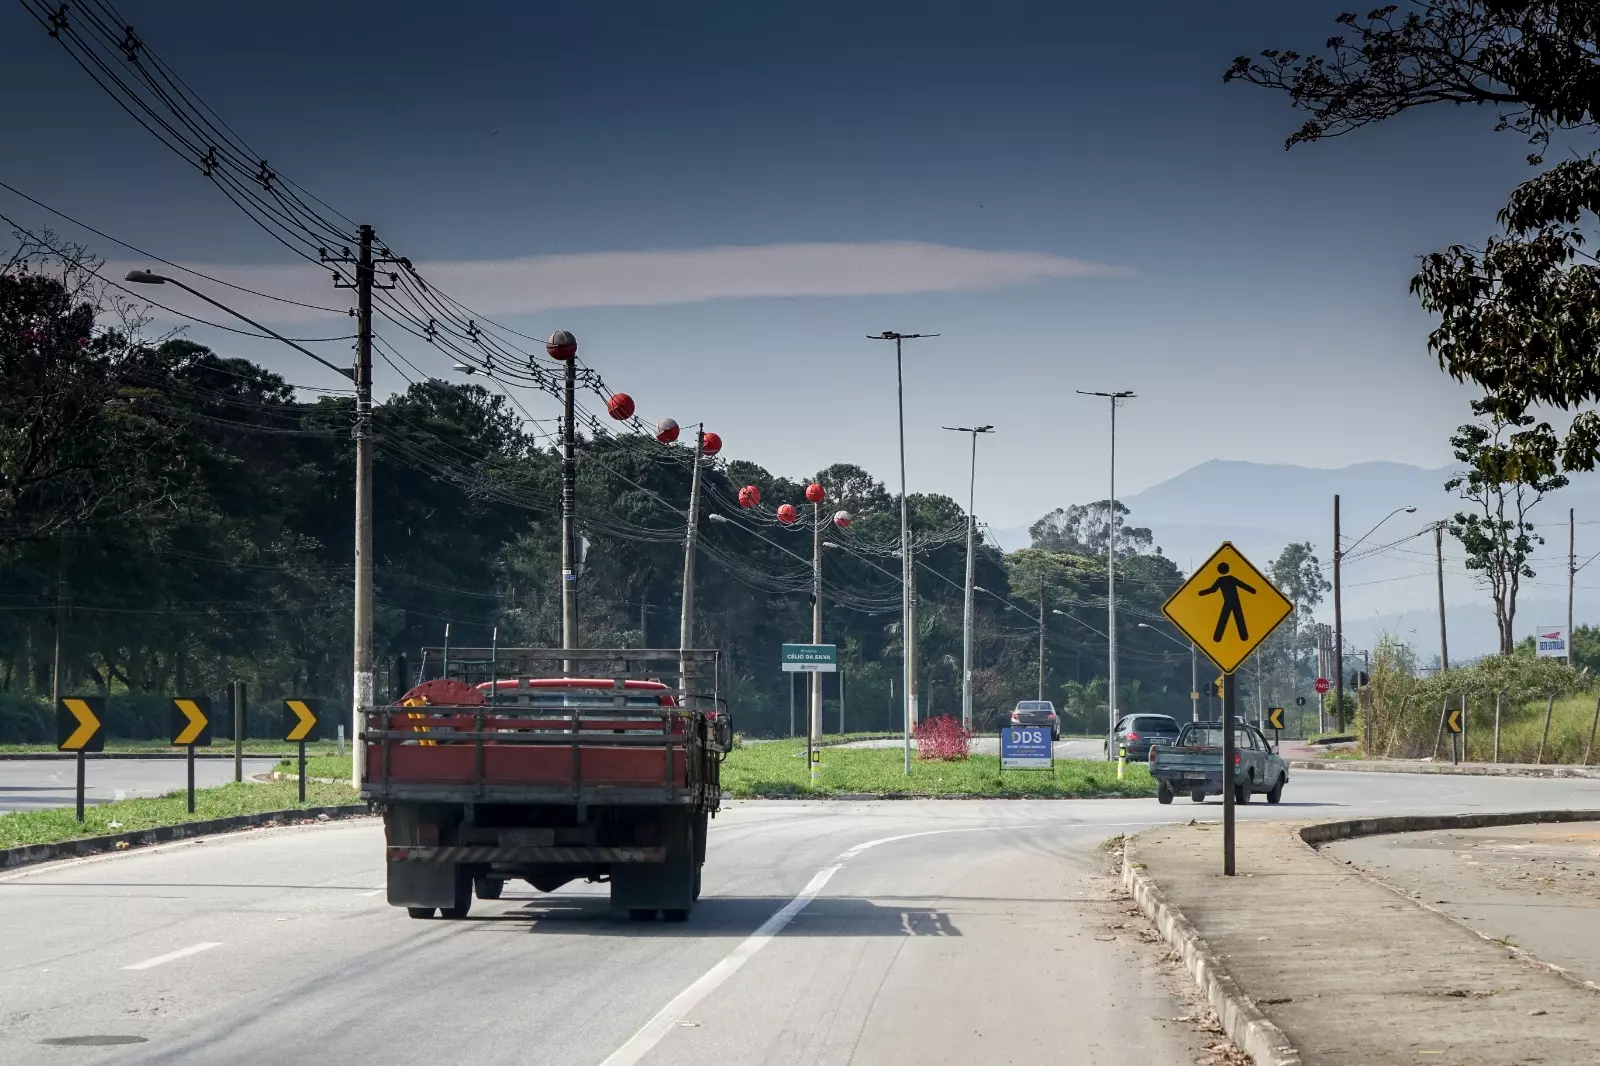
(641, 1043)
(181, 953)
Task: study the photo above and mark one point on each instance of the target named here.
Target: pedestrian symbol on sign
(1229, 587)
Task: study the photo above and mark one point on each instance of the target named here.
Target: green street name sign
(810, 658)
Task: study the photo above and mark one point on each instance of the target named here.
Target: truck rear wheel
(642, 914)
(422, 912)
(1198, 796)
(488, 887)
(1163, 793)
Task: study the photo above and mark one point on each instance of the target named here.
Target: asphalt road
(31, 784)
(830, 932)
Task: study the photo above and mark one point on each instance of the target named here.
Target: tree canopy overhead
(1519, 313)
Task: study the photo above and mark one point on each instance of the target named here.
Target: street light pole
(1111, 571)
(361, 376)
(966, 613)
(1339, 552)
(908, 642)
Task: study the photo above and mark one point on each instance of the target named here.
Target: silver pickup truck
(1194, 764)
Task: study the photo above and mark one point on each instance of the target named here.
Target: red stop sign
(1322, 685)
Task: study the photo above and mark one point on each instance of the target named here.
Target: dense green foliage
(202, 533)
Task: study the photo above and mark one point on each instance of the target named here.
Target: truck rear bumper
(468, 853)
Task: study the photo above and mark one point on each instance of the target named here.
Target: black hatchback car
(1139, 731)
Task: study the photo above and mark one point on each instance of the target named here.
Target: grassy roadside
(126, 816)
(328, 766)
(777, 768)
(218, 746)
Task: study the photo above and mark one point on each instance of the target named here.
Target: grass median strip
(779, 769)
(127, 816)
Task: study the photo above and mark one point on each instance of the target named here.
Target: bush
(943, 739)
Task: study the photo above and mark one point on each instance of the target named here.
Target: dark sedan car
(1139, 731)
(1037, 712)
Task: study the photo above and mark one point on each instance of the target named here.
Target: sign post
(810, 659)
(80, 727)
(1227, 608)
(1452, 722)
(191, 728)
(299, 719)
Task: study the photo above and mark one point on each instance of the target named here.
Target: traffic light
(1359, 679)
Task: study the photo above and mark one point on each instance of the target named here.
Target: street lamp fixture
(719, 519)
(146, 277)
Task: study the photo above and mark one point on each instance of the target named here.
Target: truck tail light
(1236, 758)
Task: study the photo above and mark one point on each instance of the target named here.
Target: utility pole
(1572, 572)
(1338, 622)
(691, 543)
(814, 719)
(966, 613)
(569, 493)
(1041, 639)
(1438, 558)
(1111, 573)
(907, 573)
(362, 693)
(361, 690)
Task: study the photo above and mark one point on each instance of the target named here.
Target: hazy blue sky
(1104, 212)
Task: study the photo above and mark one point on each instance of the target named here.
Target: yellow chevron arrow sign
(1452, 721)
(80, 724)
(191, 722)
(299, 719)
(1275, 718)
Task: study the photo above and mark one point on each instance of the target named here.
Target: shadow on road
(731, 916)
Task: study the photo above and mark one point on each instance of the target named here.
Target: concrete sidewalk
(1349, 971)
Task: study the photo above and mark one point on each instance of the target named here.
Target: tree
(1082, 529)
(72, 454)
(1497, 535)
(1519, 315)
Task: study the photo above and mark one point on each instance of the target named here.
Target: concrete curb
(1467, 769)
(1241, 1019)
(176, 753)
(1326, 832)
(29, 854)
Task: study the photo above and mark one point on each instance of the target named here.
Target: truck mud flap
(416, 884)
(668, 886)
(406, 855)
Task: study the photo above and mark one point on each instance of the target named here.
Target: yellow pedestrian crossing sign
(1227, 607)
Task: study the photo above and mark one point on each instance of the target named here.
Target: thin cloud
(532, 284)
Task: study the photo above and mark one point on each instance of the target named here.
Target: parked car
(1037, 712)
(1194, 764)
(1139, 731)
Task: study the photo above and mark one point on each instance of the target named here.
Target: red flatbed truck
(549, 765)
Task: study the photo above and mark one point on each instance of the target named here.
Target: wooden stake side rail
(456, 753)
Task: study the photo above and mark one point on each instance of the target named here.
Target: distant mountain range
(1262, 507)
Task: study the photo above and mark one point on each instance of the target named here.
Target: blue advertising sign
(1026, 748)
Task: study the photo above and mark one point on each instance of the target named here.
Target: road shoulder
(1305, 960)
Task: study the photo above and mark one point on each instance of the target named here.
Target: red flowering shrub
(943, 739)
